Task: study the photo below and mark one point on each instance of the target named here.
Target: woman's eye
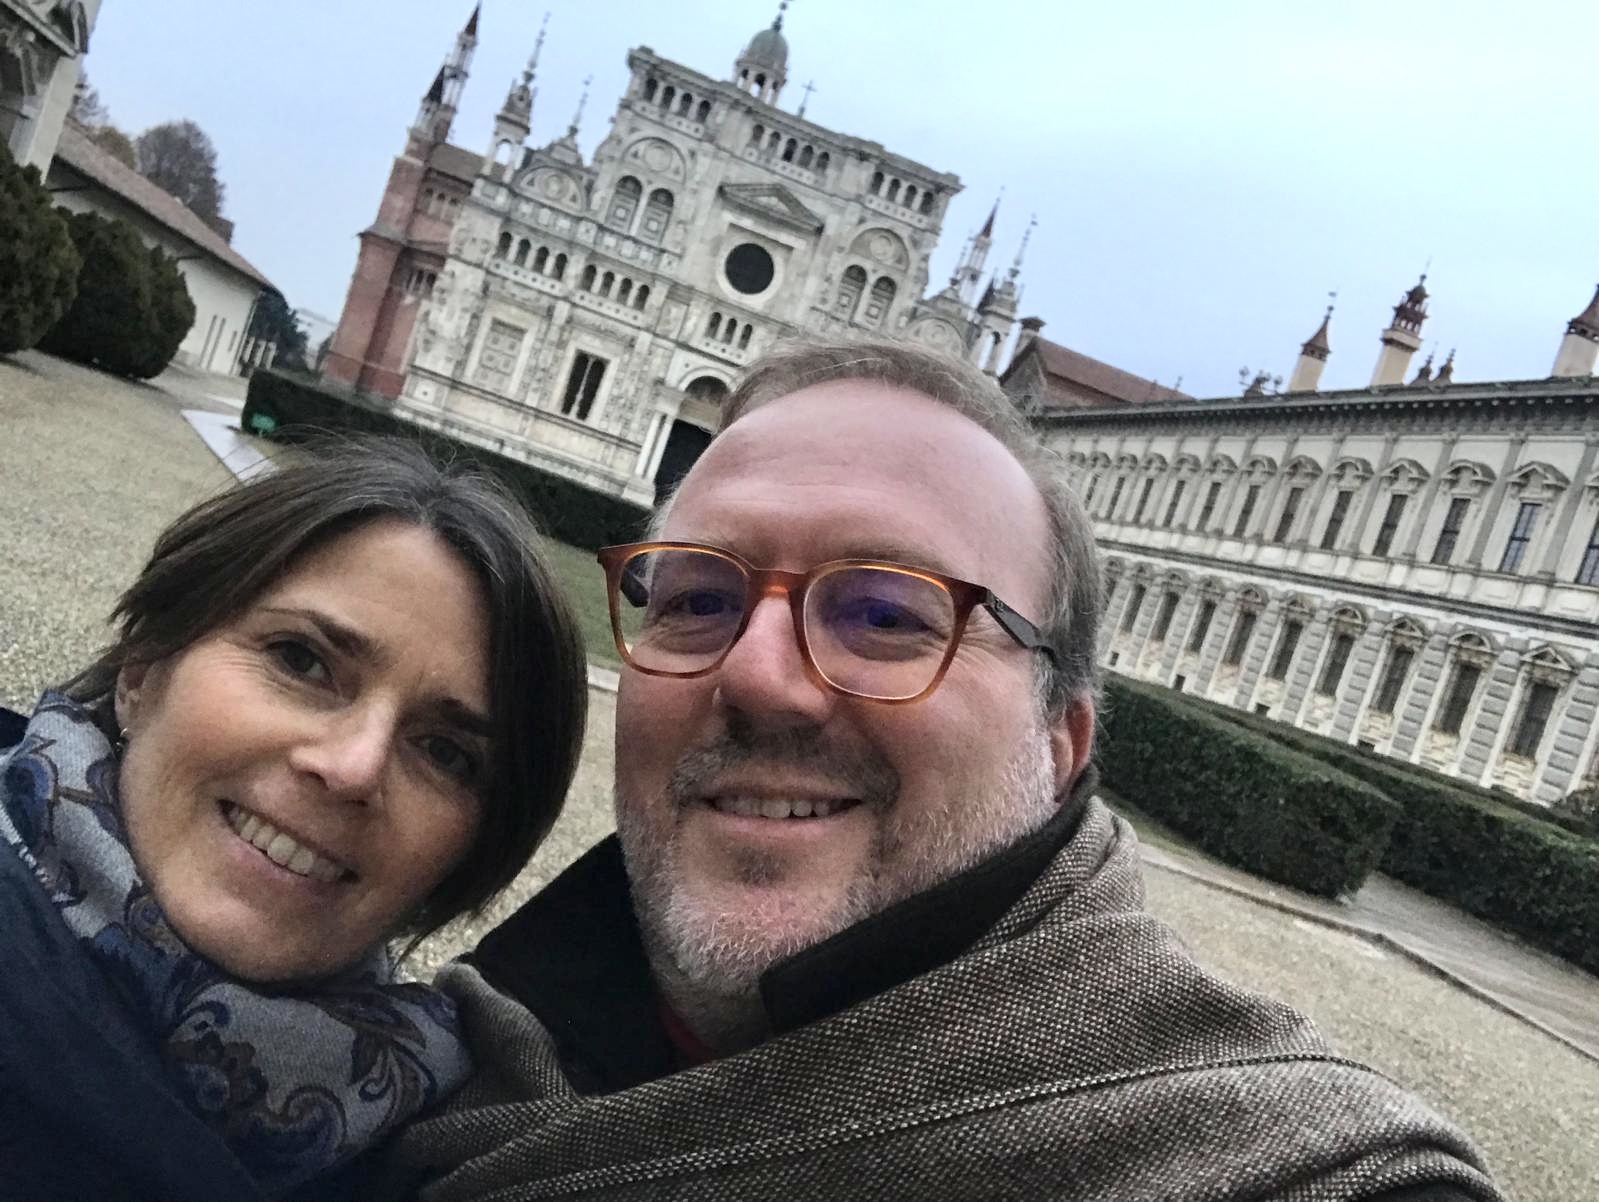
(299, 659)
(450, 757)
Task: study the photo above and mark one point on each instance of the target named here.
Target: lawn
(585, 585)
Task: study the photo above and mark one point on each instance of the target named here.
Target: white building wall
(223, 298)
(1499, 449)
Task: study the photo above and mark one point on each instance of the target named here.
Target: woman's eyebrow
(344, 639)
(463, 717)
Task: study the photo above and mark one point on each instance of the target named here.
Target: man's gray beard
(709, 965)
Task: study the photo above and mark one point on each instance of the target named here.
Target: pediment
(774, 202)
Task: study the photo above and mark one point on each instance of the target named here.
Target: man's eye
(298, 658)
(450, 757)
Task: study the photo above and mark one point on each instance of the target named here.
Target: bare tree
(116, 144)
(178, 156)
(87, 107)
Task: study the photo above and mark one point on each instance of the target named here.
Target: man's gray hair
(1071, 624)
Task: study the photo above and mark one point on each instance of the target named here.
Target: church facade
(589, 316)
(1413, 567)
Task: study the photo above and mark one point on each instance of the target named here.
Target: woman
(344, 703)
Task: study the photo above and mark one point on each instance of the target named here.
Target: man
(864, 932)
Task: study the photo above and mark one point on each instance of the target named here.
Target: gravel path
(92, 468)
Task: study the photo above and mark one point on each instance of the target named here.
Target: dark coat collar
(574, 955)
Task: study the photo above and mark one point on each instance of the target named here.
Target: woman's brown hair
(217, 558)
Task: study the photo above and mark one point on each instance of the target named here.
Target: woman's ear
(130, 688)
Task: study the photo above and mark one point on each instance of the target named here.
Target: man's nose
(765, 676)
(348, 753)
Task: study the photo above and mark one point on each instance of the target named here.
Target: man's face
(760, 812)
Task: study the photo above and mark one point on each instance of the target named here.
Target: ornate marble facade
(588, 316)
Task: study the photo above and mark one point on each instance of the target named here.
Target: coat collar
(575, 957)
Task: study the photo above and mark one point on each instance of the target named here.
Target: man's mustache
(802, 752)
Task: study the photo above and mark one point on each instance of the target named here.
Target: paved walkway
(1540, 989)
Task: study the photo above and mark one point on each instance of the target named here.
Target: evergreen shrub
(38, 262)
(1528, 873)
(132, 309)
(1248, 801)
(292, 408)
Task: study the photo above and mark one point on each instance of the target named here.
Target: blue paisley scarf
(296, 1081)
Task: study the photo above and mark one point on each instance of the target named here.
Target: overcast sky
(1203, 174)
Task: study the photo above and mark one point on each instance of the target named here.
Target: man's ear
(130, 689)
(1071, 740)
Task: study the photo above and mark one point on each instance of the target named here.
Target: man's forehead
(868, 470)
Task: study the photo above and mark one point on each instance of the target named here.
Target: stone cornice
(1579, 396)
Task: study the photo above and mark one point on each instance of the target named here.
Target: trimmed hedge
(132, 309)
(1248, 801)
(38, 261)
(293, 408)
(1467, 846)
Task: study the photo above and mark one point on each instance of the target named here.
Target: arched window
(522, 248)
(760, 82)
(559, 271)
(607, 282)
(822, 160)
(587, 281)
(877, 183)
(850, 289)
(806, 156)
(713, 326)
(773, 141)
(542, 259)
(641, 296)
(503, 152)
(657, 214)
(744, 338)
(927, 202)
(685, 104)
(910, 197)
(882, 297)
(704, 113)
(790, 149)
(504, 247)
(650, 88)
(668, 94)
(756, 134)
(893, 191)
(728, 331)
(624, 202)
(624, 292)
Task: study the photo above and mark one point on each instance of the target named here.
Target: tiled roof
(79, 152)
(454, 161)
(1069, 373)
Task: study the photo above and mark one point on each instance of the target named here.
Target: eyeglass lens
(876, 632)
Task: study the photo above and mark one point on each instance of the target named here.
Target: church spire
(1580, 347)
(970, 271)
(1402, 338)
(515, 119)
(762, 68)
(1313, 354)
(437, 114)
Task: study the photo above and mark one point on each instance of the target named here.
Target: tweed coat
(1075, 1050)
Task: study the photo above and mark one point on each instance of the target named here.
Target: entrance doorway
(684, 444)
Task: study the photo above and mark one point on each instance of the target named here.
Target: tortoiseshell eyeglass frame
(763, 582)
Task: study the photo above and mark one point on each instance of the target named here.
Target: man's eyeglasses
(866, 628)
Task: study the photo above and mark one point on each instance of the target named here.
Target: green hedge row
(291, 408)
(1246, 800)
(1466, 846)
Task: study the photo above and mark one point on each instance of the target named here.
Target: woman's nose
(349, 754)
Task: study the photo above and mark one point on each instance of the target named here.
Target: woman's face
(299, 780)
